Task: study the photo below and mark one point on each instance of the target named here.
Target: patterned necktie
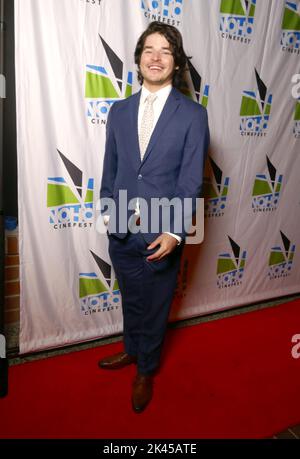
(146, 124)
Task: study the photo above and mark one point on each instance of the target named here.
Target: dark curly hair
(173, 36)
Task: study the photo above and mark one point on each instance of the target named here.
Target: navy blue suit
(172, 167)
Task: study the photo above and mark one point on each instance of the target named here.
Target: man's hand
(167, 245)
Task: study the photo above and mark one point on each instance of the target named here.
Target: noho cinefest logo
(167, 11)
(296, 127)
(237, 19)
(267, 189)
(215, 191)
(231, 266)
(99, 292)
(290, 36)
(105, 85)
(281, 258)
(255, 110)
(69, 199)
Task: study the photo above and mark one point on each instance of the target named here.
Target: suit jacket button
(140, 177)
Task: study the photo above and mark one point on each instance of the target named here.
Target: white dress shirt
(158, 104)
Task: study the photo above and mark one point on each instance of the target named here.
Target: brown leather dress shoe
(117, 361)
(142, 391)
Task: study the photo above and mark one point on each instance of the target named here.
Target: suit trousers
(147, 289)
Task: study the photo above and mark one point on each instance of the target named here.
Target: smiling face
(157, 62)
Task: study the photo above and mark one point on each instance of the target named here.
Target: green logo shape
(210, 191)
(204, 100)
(99, 86)
(226, 265)
(250, 107)
(297, 112)
(262, 186)
(93, 286)
(59, 193)
(291, 19)
(277, 257)
(235, 8)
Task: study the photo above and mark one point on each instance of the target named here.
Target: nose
(156, 55)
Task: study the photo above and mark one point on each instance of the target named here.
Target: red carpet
(230, 378)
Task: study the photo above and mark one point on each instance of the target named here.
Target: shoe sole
(110, 367)
(139, 410)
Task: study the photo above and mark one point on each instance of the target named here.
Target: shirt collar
(161, 94)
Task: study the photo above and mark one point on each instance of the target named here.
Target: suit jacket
(172, 166)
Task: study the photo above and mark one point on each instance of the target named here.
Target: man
(155, 148)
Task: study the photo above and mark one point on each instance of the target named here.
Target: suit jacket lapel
(170, 107)
(136, 157)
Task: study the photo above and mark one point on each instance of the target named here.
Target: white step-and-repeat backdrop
(74, 59)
